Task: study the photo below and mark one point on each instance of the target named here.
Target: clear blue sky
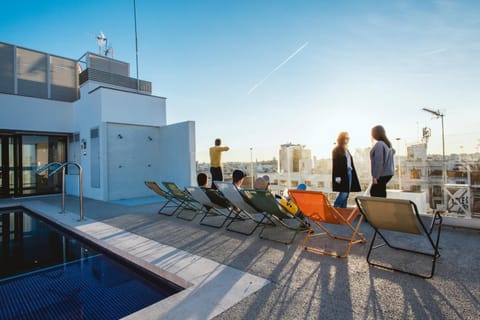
(262, 73)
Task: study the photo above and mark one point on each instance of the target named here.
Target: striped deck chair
(186, 201)
(244, 212)
(264, 200)
(399, 225)
(316, 207)
(171, 201)
(211, 208)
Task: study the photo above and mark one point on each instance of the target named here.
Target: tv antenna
(103, 47)
(438, 114)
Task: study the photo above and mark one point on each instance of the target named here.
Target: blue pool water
(46, 273)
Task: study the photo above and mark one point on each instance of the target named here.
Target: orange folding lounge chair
(315, 206)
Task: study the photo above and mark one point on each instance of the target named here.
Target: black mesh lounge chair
(211, 208)
(171, 201)
(244, 212)
(264, 200)
(186, 201)
(399, 225)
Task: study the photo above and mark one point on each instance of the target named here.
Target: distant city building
(294, 158)
(418, 176)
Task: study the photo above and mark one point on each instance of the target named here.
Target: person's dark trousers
(380, 189)
(217, 175)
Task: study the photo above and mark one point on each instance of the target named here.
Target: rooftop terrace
(289, 283)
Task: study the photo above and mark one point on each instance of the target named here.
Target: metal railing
(62, 166)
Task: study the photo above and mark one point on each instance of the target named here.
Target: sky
(258, 74)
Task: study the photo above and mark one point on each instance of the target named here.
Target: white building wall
(143, 153)
(34, 114)
(125, 107)
(87, 115)
(177, 159)
(134, 143)
(170, 155)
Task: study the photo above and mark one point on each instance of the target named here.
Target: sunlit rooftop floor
(304, 285)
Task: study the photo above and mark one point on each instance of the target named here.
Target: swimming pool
(48, 273)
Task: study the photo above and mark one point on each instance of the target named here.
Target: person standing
(344, 176)
(216, 161)
(381, 160)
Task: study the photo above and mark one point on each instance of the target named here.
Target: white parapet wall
(419, 198)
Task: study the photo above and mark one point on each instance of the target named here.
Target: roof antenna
(103, 47)
(102, 42)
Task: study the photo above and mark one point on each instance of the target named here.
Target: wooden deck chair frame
(244, 210)
(210, 208)
(186, 202)
(264, 200)
(401, 216)
(171, 201)
(316, 207)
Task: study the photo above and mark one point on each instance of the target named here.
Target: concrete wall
(87, 115)
(177, 158)
(147, 150)
(139, 153)
(34, 114)
(125, 107)
(133, 113)
(135, 143)
(132, 158)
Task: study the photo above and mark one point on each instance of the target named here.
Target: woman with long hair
(344, 176)
(381, 160)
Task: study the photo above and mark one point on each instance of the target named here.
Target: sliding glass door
(21, 155)
(4, 168)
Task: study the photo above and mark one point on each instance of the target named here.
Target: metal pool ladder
(62, 166)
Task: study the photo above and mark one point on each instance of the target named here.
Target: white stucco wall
(144, 153)
(87, 115)
(125, 107)
(34, 114)
(177, 159)
(124, 163)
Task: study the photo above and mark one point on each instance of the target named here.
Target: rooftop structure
(91, 112)
(244, 277)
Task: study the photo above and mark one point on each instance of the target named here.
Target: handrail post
(80, 192)
(63, 190)
(80, 182)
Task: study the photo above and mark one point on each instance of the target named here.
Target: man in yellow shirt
(216, 161)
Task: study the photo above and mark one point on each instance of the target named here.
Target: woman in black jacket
(344, 176)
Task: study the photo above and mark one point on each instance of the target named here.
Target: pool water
(46, 273)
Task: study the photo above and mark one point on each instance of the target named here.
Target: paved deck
(303, 285)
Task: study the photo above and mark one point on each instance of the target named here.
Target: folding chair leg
(168, 206)
(247, 233)
(290, 241)
(354, 239)
(188, 206)
(218, 226)
(387, 267)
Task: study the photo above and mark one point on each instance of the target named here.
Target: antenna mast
(136, 40)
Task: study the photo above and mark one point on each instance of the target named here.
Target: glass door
(4, 167)
(37, 151)
(21, 155)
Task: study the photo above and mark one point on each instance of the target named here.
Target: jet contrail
(277, 67)
(437, 51)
